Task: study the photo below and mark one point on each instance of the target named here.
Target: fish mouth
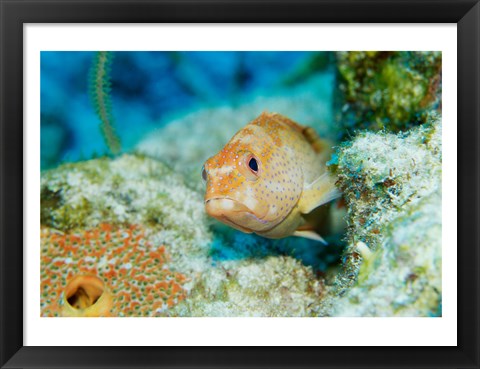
(224, 209)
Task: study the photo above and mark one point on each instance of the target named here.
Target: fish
(269, 177)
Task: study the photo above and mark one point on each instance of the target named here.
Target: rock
(392, 187)
(386, 90)
(127, 190)
(275, 286)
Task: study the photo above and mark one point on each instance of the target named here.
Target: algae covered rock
(387, 90)
(275, 286)
(127, 190)
(392, 187)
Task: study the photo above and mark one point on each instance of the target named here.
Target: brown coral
(387, 90)
(134, 272)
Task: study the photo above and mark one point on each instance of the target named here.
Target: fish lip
(227, 220)
(245, 209)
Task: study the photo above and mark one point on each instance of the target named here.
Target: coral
(387, 90)
(392, 187)
(100, 94)
(275, 286)
(135, 272)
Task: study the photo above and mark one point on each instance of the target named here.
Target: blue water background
(148, 90)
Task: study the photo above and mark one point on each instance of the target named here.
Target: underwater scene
(229, 184)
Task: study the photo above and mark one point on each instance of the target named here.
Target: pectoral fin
(310, 235)
(319, 192)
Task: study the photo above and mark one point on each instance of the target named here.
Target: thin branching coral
(134, 273)
(100, 93)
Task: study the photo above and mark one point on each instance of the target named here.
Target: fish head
(251, 183)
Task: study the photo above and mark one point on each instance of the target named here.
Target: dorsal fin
(288, 122)
(319, 145)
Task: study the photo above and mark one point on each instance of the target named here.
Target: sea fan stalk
(100, 94)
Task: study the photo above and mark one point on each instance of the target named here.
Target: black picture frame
(15, 13)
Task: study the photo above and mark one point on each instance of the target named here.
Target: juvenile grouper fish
(269, 176)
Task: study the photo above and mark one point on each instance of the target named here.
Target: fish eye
(204, 174)
(250, 167)
(253, 165)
